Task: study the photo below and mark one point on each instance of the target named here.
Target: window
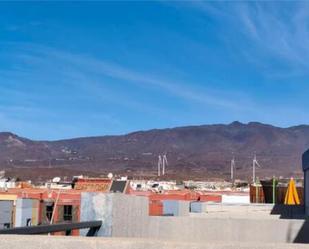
(67, 212)
(49, 211)
(6, 225)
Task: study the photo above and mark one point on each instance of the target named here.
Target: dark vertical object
(274, 190)
(305, 165)
(92, 231)
(302, 236)
(68, 213)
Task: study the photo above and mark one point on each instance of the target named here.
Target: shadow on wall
(289, 211)
(294, 212)
(303, 234)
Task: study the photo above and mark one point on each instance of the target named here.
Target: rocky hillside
(198, 152)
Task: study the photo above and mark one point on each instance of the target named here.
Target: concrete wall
(240, 208)
(27, 212)
(127, 216)
(259, 211)
(56, 242)
(97, 206)
(205, 229)
(114, 209)
(204, 207)
(189, 229)
(6, 212)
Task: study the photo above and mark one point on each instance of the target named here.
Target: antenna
(254, 164)
(164, 163)
(56, 179)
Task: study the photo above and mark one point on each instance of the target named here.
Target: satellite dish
(56, 179)
(110, 175)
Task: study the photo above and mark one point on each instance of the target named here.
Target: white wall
(237, 199)
(25, 210)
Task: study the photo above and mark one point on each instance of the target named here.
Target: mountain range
(193, 152)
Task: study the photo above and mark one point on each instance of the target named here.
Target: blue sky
(99, 68)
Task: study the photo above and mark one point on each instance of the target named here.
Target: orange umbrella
(291, 196)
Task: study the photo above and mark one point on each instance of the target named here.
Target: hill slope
(196, 151)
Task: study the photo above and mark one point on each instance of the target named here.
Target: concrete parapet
(127, 216)
(191, 229)
(56, 242)
(248, 210)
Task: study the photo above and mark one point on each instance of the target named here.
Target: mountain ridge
(160, 129)
(200, 152)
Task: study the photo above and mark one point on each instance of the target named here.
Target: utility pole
(232, 169)
(55, 206)
(274, 190)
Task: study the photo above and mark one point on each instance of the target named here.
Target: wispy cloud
(217, 67)
(271, 30)
(87, 67)
(38, 75)
(21, 27)
(282, 35)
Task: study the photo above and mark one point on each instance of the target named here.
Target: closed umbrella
(291, 196)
